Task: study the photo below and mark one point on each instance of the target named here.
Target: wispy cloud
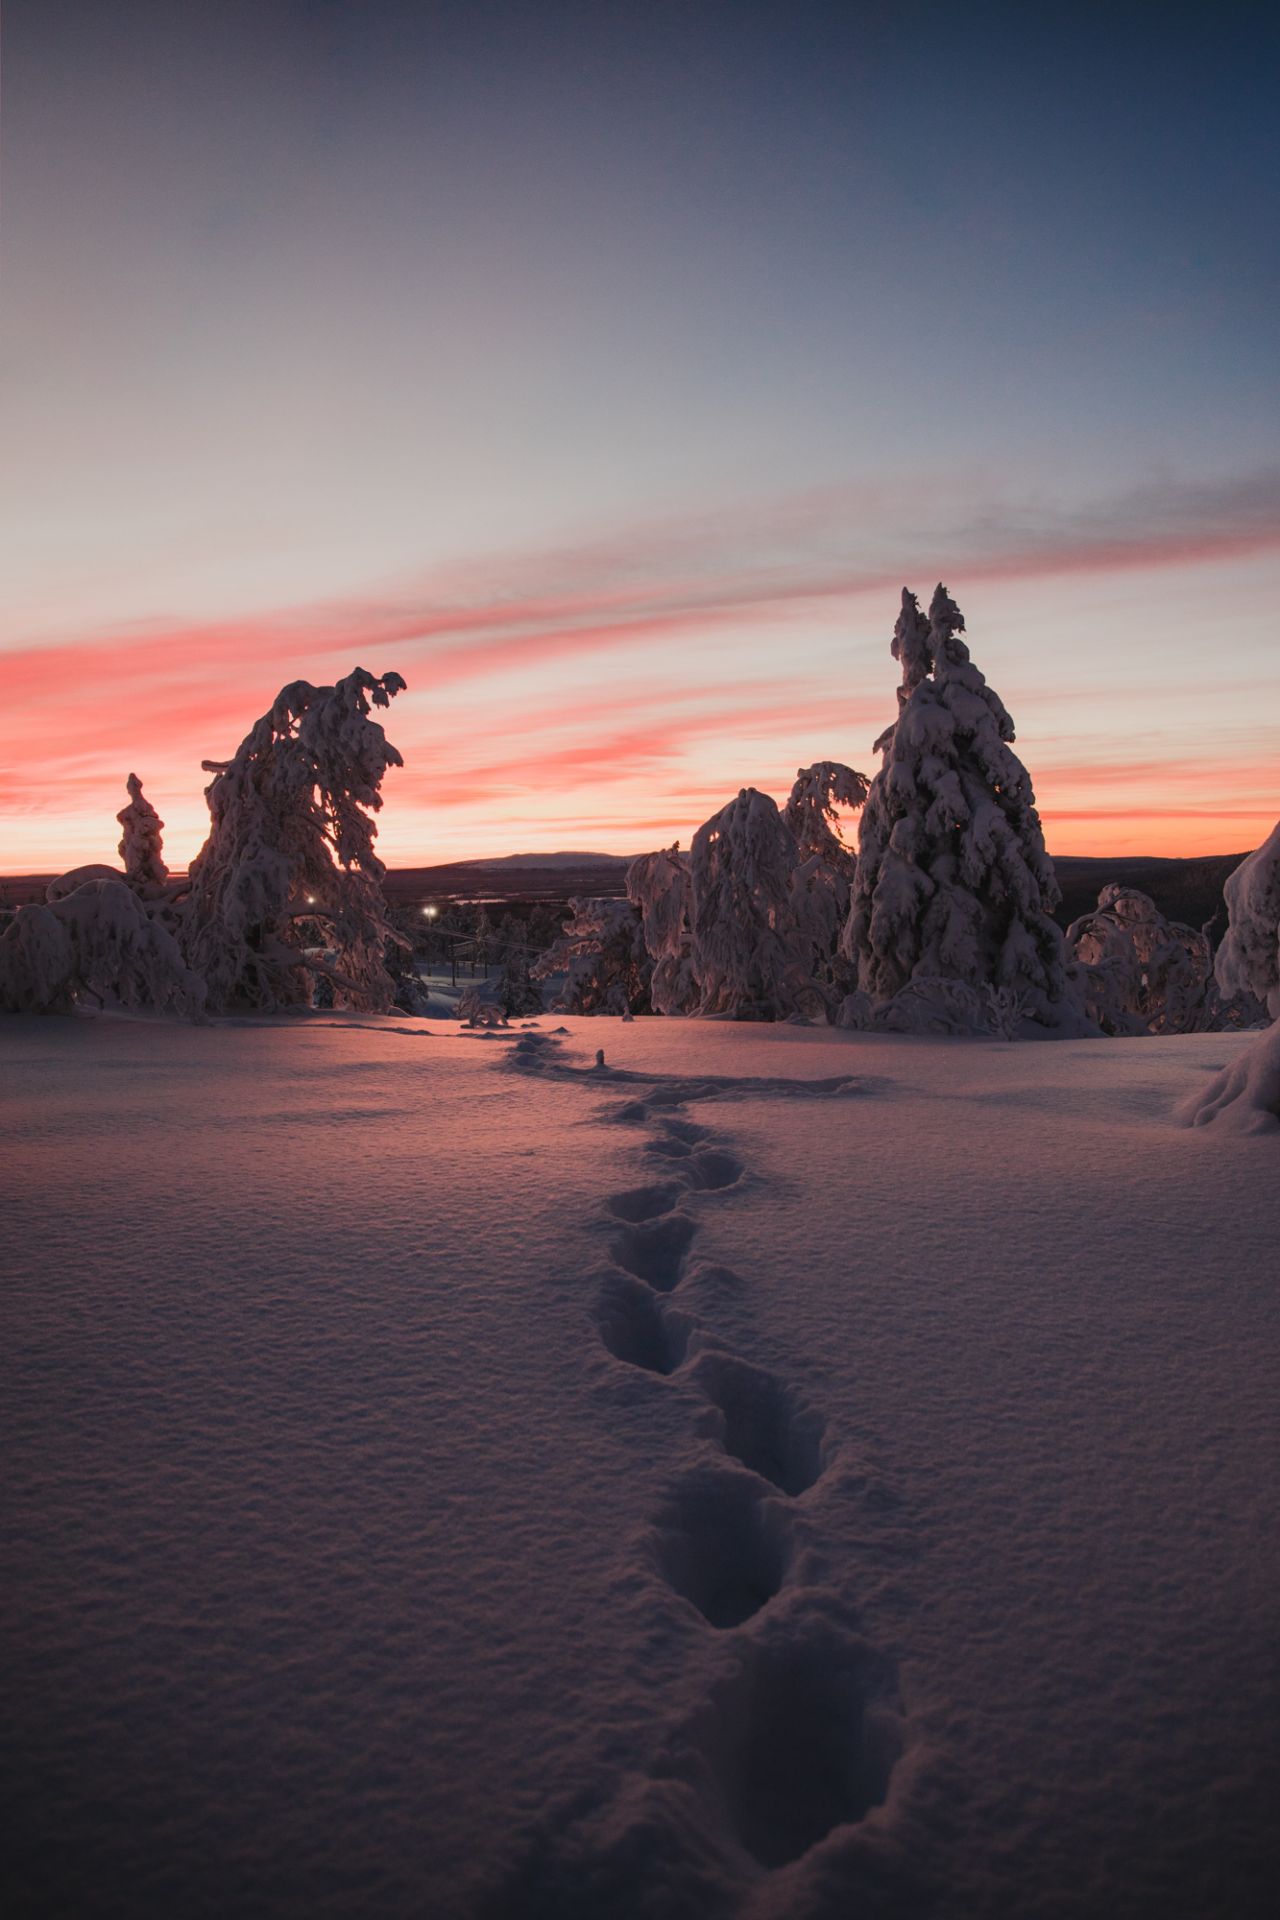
(649, 632)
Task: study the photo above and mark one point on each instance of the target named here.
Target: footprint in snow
(760, 1422)
(711, 1169)
(807, 1740)
(637, 1328)
(668, 1149)
(644, 1203)
(723, 1545)
(656, 1250)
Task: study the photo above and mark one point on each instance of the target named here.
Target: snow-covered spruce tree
(658, 885)
(953, 882)
(288, 872)
(141, 843)
(602, 956)
(753, 928)
(1141, 973)
(94, 947)
(1248, 960)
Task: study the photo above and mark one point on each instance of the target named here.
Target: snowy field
(785, 1473)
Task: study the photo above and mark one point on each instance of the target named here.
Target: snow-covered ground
(784, 1473)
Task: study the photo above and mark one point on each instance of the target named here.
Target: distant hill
(549, 862)
(1188, 890)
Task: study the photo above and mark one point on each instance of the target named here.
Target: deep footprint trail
(795, 1737)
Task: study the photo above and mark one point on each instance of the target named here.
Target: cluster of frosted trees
(942, 923)
(745, 925)
(284, 892)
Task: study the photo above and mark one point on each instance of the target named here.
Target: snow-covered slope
(780, 1473)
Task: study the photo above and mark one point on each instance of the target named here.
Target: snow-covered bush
(1249, 958)
(754, 926)
(141, 843)
(478, 1006)
(601, 955)
(1139, 972)
(94, 947)
(953, 881)
(658, 884)
(291, 842)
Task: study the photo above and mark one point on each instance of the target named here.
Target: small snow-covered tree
(1141, 972)
(518, 992)
(1248, 960)
(602, 956)
(828, 863)
(94, 947)
(753, 928)
(141, 843)
(813, 813)
(658, 885)
(953, 881)
(291, 851)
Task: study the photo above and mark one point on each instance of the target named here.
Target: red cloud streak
(157, 697)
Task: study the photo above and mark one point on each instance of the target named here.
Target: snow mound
(1245, 1096)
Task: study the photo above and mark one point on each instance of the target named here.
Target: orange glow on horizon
(617, 717)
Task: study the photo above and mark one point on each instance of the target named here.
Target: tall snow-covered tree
(953, 881)
(601, 955)
(1248, 961)
(141, 843)
(658, 885)
(288, 873)
(753, 928)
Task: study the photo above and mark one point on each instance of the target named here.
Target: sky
(606, 371)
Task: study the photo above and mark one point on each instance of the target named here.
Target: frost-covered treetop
(141, 841)
(812, 811)
(953, 881)
(912, 645)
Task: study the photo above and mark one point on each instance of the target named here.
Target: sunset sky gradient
(606, 371)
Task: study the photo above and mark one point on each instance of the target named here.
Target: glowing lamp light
(430, 912)
(311, 899)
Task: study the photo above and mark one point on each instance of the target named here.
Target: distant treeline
(1187, 890)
